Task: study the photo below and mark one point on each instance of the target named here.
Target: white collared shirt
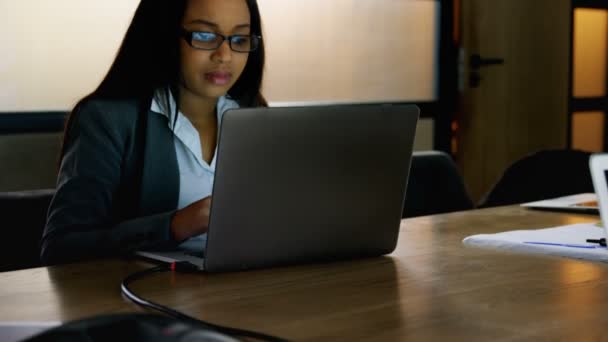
(195, 174)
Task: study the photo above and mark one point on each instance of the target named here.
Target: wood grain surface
(432, 287)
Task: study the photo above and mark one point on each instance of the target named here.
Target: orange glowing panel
(588, 131)
(590, 46)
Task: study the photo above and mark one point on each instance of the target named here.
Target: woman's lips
(218, 78)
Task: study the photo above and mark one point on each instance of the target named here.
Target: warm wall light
(54, 52)
(590, 52)
(345, 50)
(588, 131)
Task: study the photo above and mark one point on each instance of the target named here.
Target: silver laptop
(305, 184)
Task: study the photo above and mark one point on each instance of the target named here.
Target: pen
(601, 242)
(561, 244)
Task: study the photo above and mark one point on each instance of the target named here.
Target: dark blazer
(118, 184)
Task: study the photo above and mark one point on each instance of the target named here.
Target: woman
(138, 156)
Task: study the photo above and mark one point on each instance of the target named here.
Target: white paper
(536, 241)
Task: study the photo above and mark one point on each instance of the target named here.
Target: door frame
(585, 104)
(443, 109)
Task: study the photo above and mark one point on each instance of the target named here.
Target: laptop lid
(598, 164)
(302, 184)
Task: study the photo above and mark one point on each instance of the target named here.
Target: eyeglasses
(211, 41)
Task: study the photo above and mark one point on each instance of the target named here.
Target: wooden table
(432, 287)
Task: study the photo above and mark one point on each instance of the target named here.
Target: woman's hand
(192, 220)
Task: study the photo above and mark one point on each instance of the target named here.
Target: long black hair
(149, 58)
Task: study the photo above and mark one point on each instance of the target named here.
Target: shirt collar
(165, 105)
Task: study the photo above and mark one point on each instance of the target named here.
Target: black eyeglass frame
(188, 36)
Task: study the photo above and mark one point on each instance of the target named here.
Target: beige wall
(360, 50)
(54, 52)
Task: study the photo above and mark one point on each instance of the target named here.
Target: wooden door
(516, 102)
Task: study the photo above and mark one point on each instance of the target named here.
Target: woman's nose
(223, 54)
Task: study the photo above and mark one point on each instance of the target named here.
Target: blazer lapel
(160, 173)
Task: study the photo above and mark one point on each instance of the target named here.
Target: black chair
(22, 219)
(541, 175)
(435, 186)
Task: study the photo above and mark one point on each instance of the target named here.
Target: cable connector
(183, 266)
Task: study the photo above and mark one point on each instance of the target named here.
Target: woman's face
(211, 73)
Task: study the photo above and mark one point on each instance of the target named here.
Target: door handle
(476, 61)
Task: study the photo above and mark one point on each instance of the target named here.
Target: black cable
(183, 266)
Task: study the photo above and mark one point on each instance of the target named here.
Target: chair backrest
(30, 143)
(435, 186)
(541, 175)
(23, 216)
